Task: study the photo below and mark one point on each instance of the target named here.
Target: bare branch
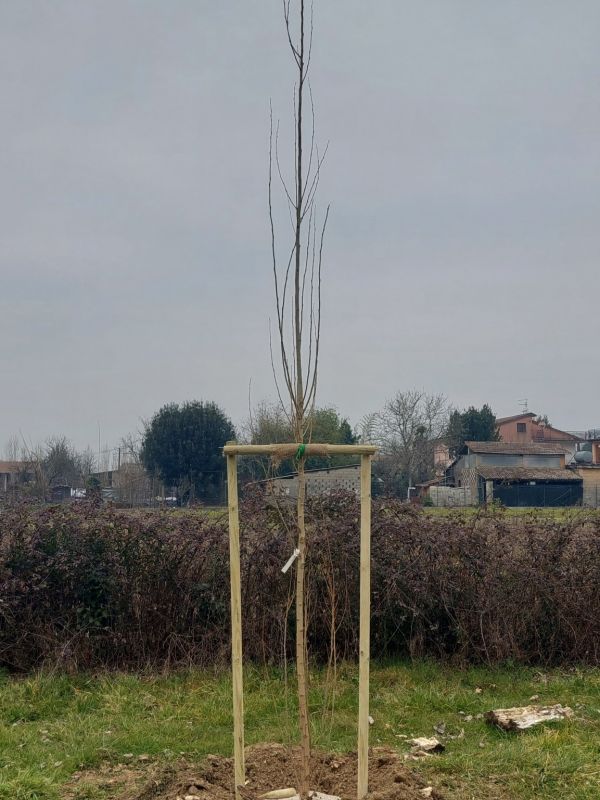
(281, 178)
(275, 374)
(313, 391)
(286, 16)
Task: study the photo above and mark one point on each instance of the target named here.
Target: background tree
(270, 425)
(472, 425)
(63, 465)
(406, 430)
(542, 419)
(330, 428)
(183, 446)
(13, 449)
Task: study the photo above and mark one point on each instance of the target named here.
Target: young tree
(183, 445)
(297, 282)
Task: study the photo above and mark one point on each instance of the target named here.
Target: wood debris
(322, 796)
(422, 745)
(520, 719)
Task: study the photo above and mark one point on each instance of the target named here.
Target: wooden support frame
(366, 452)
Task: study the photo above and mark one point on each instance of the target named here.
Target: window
(521, 427)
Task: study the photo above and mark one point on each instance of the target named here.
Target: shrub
(90, 587)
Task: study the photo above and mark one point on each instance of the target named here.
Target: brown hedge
(87, 587)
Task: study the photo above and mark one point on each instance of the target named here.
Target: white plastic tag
(290, 560)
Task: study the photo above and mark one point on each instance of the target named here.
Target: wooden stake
(236, 625)
(365, 626)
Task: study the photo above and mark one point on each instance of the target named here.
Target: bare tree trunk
(301, 649)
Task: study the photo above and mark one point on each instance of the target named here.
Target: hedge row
(86, 587)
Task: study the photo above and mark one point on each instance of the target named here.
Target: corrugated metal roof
(519, 449)
(527, 474)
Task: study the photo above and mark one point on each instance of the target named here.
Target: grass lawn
(54, 725)
(553, 513)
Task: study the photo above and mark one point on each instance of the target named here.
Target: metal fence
(539, 495)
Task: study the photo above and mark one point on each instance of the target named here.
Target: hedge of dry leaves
(88, 587)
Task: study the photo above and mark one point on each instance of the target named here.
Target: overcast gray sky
(463, 172)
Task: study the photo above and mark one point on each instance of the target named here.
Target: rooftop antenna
(524, 403)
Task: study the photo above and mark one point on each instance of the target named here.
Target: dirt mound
(273, 766)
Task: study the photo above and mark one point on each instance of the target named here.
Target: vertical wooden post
(365, 626)
(236, 624)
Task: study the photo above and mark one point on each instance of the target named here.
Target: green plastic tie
(300, 451)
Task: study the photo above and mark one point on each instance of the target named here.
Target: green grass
(555, 513)
(54, 725)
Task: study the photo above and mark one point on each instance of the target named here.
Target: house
(130, 484)
(13, 473)
(529, 427)
(528, 474)
(318, 481)
(518, 429)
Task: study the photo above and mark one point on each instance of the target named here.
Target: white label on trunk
(290, 560)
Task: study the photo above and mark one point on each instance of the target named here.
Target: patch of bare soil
(113, 780)
(268, 766)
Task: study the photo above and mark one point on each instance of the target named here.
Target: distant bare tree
(368, 429)
(60, 461)
(297, 281)
(131, 449)
(407, 429)
(13, 449)
(87, 462)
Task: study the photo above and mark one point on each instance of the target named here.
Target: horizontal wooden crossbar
(313, 448)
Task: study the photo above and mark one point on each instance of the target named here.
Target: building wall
(591, 485)
(441, 457)
(451, 497)
(319, 482)
(508, 460)
(465, 476)
(12, 476)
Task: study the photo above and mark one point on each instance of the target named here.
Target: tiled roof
(527, 474)
(502, 420)
(11, 466)
(517, 448)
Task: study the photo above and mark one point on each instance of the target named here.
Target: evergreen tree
(472, 425)
(182, 445)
